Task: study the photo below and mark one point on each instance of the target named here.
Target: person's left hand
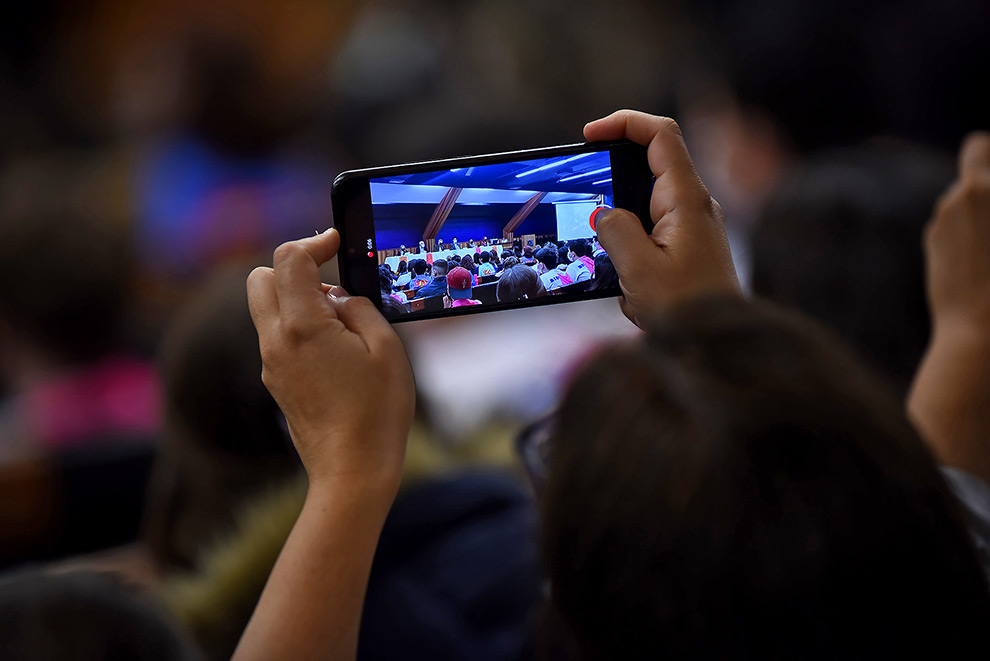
(334, 366)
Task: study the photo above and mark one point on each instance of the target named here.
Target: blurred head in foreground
(734, 485)
(83, 616)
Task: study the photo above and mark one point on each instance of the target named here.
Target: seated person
(519, 283)
(468, 264)
(438, 286)
(527, 256)
(419, 277)
(546, 268)
(563, 261)
(459, 289)
(385, 282)
(605, 275)
(402, 276)
(581, 266)
(486, 267)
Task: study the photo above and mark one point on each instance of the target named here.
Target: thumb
(628, 245)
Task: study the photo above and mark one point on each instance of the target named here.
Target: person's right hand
(957, 246)
(687, 254)
(333, 365)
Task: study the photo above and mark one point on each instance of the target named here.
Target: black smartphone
(480, 233)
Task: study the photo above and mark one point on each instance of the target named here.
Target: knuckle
(286, 252)
(294, 330)
(669, 125)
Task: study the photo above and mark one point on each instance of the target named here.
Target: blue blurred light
(553, 164)
(585, 174)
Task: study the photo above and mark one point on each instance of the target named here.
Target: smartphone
(482, 233)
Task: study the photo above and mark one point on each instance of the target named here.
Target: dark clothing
(436, 288)
(456, 574)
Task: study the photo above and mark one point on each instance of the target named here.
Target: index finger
(974, 155)
(297, 272)
(666, 152)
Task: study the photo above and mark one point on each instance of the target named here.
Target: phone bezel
(632, 184)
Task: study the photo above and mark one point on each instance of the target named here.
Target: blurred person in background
(81, 417)
(769, 84)
(85, 616)
(841, 241)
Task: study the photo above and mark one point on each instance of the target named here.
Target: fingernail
(328, 230)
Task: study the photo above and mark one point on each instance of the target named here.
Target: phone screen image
(491, 234)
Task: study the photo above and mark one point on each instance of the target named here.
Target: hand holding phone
(329, 360)
(685, 251)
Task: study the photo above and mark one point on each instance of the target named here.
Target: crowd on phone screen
(518, 273)
(733, 484)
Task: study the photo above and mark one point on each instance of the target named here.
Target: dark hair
(440, 266)
(85, 616)
(578, 246)
(507, 253)
(509, 262)
(485, 256)
(418, 266)
(65, 277)
(468, 263)
(384, 281)
(391, 307)
(403, 267)
(547, 257)
(841, 241)
(493, 255)
(224, 438)
(605, 275)
(528, 251)
(735, 485)
(517, 283)
(562, 257)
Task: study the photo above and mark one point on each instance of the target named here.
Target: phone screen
(488, 233)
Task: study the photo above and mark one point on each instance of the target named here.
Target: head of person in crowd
(563, 258)
(505, 254)
(467, 263)
(418, 266)
(391, 307)
(385, 280)
(596, 246)
(577, 248)
(493, 255)
(485, 256)
(65, 280)
(509, 262)
(735, 484)
(439, 268)
(527, 256)
(402, 268)
(459, 287)
(85, 616)
(841, 240)
(422, 247)
(387, 268)
(518, 283)
(605, 275)
(225, 439)
(546, 260)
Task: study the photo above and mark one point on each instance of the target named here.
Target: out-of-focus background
(153, 152)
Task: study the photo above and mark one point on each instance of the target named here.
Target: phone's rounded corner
(341, 181)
